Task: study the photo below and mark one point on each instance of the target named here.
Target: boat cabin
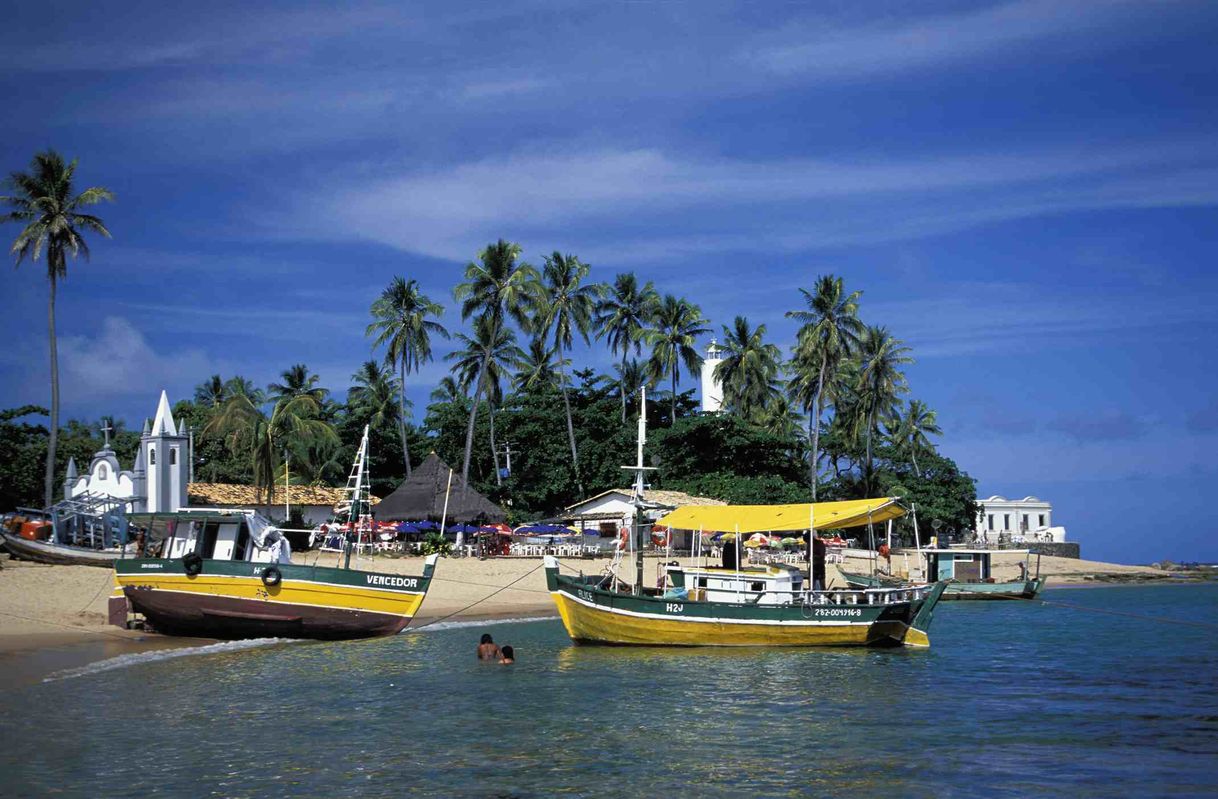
(765, 585)
(215, 534)
(961, 565)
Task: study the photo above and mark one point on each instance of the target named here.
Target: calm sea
(1014, 699)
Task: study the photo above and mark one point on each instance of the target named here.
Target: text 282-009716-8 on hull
(244, 588)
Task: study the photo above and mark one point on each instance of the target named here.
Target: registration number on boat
(839, 612)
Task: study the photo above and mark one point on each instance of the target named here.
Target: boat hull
(58, 554)
(594, 616)
(229, 599)
(1017, 589)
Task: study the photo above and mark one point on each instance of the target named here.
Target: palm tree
(830, 333)
(749, 373)
(565, 309)
(292, 426)
(298, 381)
(780, 419)
(42, 200)
(486, 356)
(495, 287)
(403, 322)
(537, 369)
(623, 317)
(911, 431)
(447, 390)
(210, 392)
(631, 376)
(374, 397)
(238, 385)
(678, 323)
(880, 384)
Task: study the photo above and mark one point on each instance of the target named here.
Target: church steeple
(163, 424)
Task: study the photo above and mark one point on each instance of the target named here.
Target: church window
(173, 457)
(101, 472)
(152, 456)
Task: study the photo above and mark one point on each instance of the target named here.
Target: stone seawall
(1057, 550)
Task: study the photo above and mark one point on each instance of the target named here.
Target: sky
(1025, 192)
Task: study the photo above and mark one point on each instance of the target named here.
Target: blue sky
(1025, 192)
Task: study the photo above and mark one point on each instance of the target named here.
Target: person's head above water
(508, 652)
(486, 639)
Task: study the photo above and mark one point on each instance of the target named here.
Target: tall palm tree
(623, 316)
(749, 372)
(565, 309)
(43, 201)
(404, 323)
(779, 418)
(880, 384)
(497, 287)
(491, 358)
(912, 429)
(298, 381)
(830, 333)
(538, 368)
(678, 323)
(291, 426)
(210, 393)
(631, 376)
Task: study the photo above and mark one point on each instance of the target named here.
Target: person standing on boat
(818, 563)
(487, 649)
(729, 553)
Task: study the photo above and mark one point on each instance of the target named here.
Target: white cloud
(118, 361)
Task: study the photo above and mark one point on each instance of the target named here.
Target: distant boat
(33, 539)
(228, 574)
(967, 572)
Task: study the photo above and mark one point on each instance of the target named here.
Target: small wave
(457, 625)
(139, 658)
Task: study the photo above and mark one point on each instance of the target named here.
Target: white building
(1017, 520)
(712, 389)
(156, 482)
(611, 511)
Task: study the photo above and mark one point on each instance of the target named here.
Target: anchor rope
(479, 602)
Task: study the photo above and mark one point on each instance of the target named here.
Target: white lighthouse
(712, 389)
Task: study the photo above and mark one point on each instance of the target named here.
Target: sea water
(1013, 699)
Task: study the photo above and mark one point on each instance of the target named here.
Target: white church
(157, 482)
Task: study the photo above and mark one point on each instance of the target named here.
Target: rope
(65, 626)
(479, 602)
(105, 585)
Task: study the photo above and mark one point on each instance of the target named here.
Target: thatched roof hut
(421, 496)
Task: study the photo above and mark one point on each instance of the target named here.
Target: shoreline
(53, 617)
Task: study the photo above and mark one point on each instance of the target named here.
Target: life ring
(271, 576)
(883, 550)
(192, 562)
(661, 539)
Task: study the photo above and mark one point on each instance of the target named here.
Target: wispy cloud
(785, 204)
(820, 49)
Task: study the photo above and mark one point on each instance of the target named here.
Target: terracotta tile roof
(210, 494)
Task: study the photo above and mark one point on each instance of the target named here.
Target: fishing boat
(968, 573)
(735, 606)
(36, 537)
(229, 574)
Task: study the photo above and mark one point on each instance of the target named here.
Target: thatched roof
(228, 494)
(421, 497)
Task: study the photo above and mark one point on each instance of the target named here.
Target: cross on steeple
(106, 430)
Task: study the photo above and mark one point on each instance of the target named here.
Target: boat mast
(637, 500)
(358, 511)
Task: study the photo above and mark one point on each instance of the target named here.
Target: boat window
(210, 533)
(756, 586)
(964, 558)
(702, 582)
(243, 541)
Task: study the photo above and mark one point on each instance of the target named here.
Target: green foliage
(22, 450)
(741, 489)
(435, 544)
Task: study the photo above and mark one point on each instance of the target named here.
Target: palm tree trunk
(402, 417)
(566, 401)
(473, 412)
(674, 396)
(867, 478)
(913, 453)
(490, 411)
(815, 423)
(622, 387)
(53, 441)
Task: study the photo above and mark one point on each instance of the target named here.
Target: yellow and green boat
(228, 574)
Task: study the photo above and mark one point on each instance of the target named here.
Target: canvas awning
(766, 518)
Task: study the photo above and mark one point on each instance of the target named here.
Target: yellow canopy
(765, 518)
